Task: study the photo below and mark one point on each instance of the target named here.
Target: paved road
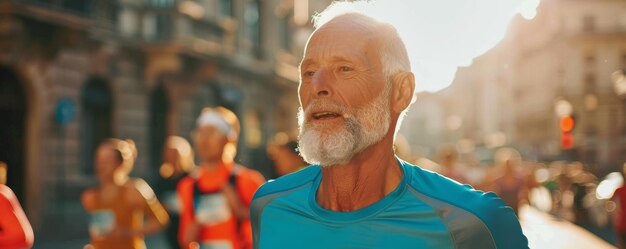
(545, 232)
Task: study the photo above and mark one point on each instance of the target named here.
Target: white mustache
(326, 105)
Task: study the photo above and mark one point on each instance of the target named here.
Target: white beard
(320, 145)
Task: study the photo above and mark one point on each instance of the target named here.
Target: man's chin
(335, 163)
(323, 128)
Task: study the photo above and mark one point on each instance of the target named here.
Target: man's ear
(403, 85)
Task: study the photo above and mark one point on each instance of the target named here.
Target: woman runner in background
(122, 210)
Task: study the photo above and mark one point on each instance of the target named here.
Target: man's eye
(309, 73)
(345, 69)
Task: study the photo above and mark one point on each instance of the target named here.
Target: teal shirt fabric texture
(426, 210)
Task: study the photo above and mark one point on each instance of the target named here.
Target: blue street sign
(65, 111)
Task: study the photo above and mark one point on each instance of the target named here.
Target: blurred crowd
(203, 197)
(565, 190)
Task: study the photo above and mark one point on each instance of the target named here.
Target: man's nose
(322, 81)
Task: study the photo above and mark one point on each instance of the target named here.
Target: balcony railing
(149, 22)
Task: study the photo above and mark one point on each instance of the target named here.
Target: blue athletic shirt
(426, 210)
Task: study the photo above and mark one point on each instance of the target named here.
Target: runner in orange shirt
(216, 196)
(15, 230)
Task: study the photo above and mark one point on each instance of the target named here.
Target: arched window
(159, 109)
(97, 105)
(12, 130)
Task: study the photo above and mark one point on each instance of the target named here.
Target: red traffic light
(567, 141)
(567, 123)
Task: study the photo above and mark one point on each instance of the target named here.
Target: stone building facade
(508, 95)
(75, 72)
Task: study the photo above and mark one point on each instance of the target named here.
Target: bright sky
(442, 35)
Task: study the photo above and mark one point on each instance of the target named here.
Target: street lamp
(562, 108)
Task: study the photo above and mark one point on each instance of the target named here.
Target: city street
(545, 232)
(111, 111)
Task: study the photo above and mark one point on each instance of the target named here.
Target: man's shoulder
(437, 186)
(288, 182)
(499, 219)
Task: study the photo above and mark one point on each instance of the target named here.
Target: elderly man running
(355, 86)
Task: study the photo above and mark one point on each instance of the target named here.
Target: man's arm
(156, 215)
(502, 223)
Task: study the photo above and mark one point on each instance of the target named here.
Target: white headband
(215, 120)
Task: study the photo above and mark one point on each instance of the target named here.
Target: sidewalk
(545, 232)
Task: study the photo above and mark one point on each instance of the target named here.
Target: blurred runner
(216, 196)
(177, 163)
(122, 210)
(449, 166)
(475, 174)
(286, 158)
(15, 230)
(510, 185)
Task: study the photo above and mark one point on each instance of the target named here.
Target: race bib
(216, 244)
(101, 223)
(211, 209)
(171, 201)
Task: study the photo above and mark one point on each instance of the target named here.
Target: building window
(13, 109)
(159, 109)
(163, 26)
(226, 8)
(96, 105)
(252, 21)
(589, 24)
(128, 22)
(81, 7)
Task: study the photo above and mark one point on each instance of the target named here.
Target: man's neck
(367, 178)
